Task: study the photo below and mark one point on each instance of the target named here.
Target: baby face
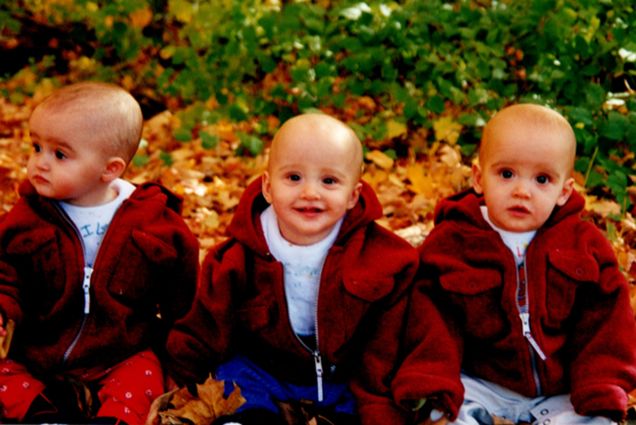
(313, 176)
(524, 172)
(66, 163)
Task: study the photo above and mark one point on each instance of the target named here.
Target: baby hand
(435, 418)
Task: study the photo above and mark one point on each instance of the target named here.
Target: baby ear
(114, 169)
(566, 191)
(355, 195)
(477, 178)
(266, 187)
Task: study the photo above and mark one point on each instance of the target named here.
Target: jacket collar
(143, 192)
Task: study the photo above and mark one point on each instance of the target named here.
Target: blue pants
(262, 390)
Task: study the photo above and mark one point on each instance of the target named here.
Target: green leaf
(209, 141)
(182, 134)
(253, 144)
(435, 104)
(615, 126)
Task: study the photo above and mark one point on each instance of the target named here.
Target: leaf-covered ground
(211, 180)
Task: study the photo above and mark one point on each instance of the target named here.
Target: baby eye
(294, 177)
(543, 179)
(329, 180)
(506, 174)
(36, 148)
(60, 155)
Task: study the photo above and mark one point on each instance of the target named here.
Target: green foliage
(419, 60)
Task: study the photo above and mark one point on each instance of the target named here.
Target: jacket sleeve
(603, 368)
(432, 361)
(201, 339)
(9, 293)
(389, 255)
(182, 280)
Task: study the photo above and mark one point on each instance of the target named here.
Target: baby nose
(521, 189)
(41, 161)
(309, 191)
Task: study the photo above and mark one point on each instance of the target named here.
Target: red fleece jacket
(579, 306)
(241, 307)
(147, 266)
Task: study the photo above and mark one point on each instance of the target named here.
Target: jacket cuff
(448, 393)
(600, 400)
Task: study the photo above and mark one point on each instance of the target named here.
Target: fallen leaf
(180, 407)
(380, 159)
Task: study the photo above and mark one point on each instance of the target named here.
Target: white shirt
(517, 242)
(302, 265)
(92, 222)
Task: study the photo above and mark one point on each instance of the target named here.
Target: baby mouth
(520, 210)
(39, 179)
(309, 210)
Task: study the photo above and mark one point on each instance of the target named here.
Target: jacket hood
(246, 227)
(142, 192)
(464, 206)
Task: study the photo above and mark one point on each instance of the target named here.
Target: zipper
(525, 324)
(315, 353)
(318, 365)
(88, 272)
(524, 316)
(86, 286)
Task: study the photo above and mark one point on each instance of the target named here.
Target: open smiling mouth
(309, 210)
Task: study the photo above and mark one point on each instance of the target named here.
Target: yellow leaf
(395, 129)
(420, 182)
(182, 10)
(380, 159)
(447, 129)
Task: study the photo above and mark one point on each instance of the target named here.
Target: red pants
(126, 390)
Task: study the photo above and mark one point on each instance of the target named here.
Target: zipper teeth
(71, 347)
(318, 368)
(528, 337)
(86, 311)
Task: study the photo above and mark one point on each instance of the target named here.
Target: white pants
(483, 399)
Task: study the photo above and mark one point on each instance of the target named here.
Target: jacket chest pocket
(41, 272)
(567, 270)
(475, 300)
(143, 267)
(360, 296)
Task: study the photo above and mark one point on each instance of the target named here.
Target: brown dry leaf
(180, 406)
(211, 392)
(195, 411)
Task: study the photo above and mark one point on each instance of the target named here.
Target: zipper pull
(525, 323)
(318, 365)
(88, 271)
